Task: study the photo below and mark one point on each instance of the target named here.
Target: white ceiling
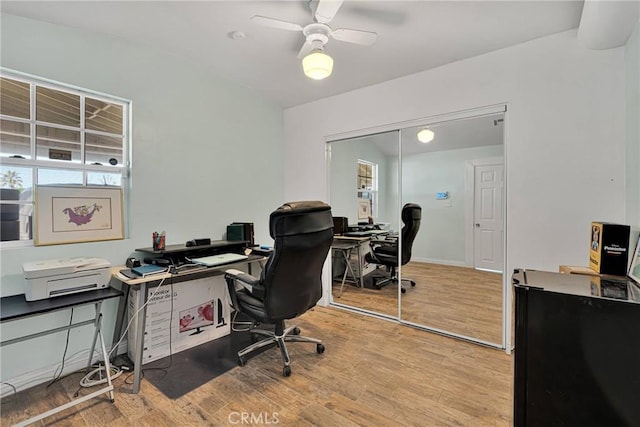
(412, 35)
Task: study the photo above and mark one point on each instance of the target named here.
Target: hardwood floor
(373, 373)
(453, 299)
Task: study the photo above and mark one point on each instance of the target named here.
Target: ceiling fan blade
(326, 10)
(355, 36)
(276, 23)
(306, 49)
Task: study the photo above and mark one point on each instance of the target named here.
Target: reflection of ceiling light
(425, 135)
(317, 65)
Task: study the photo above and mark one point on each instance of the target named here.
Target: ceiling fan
(318, 65)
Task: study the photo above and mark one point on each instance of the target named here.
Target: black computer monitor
(340, 225)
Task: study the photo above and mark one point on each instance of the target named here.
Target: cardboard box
(609, 248)
(585, 271)
(200, 314)
(575, 269)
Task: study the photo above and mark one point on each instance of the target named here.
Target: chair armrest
(378, 243)
(247, 281)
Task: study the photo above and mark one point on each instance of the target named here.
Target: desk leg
(105, 355)
(139, 344)
(347, 258)
(346, 266)
(107, 365)
(96, 327)
(360, 275)
(120, 319)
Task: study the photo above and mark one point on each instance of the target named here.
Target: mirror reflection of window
(367, 186)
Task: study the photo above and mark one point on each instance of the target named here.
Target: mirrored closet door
(450, 172)
(457, 178)
(363, 175)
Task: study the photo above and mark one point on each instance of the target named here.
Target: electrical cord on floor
(99, 376)
(56, 375)
(9, 399)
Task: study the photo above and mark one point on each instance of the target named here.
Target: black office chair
(385, 252)
(290, 283)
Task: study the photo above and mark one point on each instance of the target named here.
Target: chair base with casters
(386, 252)
(290, 283)
(279, 337)
(393, 278)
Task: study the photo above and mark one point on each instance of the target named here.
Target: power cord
(124, 333)
(149, 298)
(57, 375)
(98, 376)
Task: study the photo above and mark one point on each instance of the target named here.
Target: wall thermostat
(442, 195)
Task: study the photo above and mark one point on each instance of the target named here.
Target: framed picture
(77, 214)
(364, 208)
(634, 270)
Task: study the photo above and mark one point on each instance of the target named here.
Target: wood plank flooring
(373, 373)
(454, 299)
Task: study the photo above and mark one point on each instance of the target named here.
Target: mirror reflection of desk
(360, 241)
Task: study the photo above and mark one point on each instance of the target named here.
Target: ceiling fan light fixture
(317, 65)
(425, 135)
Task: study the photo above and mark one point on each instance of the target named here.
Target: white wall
(442, 230)
(344, 173)
(632, 104)
(564, 129)
(206, 152)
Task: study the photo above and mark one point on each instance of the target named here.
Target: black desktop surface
(358, 234)
(17, 306)
(364, 227)
(216, 246)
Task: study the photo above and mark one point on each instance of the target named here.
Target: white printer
(46, 279)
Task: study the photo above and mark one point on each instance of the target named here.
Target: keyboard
(213, 260)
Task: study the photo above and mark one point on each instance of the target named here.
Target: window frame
(35, 164)
(368, 193)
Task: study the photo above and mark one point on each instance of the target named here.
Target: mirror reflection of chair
(290, 283)
(385, 252)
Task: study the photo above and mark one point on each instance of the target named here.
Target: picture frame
(634, 269)
(66, 214)
(364, 208)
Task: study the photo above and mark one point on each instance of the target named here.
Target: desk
(345, 248)
(16, 307)
(362, 248)
(144, 283)
(577, 350)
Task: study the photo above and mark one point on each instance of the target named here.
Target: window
(55, 134)
(367, 184)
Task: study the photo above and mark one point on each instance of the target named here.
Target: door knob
(477, 224)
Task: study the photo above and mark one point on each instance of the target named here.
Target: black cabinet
(577, 350)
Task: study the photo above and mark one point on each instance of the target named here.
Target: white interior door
(488, 223)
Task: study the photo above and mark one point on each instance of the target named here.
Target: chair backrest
(292, 277)
(411, 217)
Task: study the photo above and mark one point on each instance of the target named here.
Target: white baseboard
(45, 374)
(441, 261)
